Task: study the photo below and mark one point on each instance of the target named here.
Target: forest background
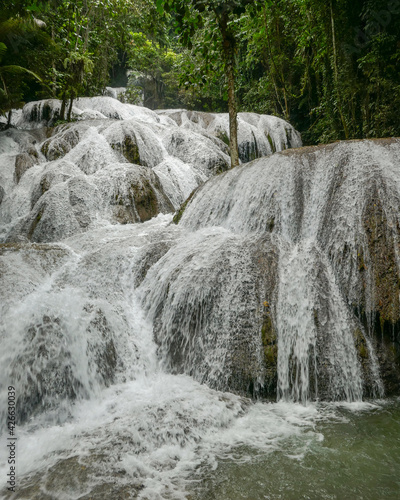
(331, 68)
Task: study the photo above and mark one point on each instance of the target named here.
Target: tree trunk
(9, 119)
(229, 56)
(70, 108)
(63, 106)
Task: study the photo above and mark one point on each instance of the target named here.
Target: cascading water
(298, 316)
(120, 338)
(325, 216)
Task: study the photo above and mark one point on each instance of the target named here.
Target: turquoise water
(350, 453)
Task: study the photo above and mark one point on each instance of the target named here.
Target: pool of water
(346, 452)
(167, 437)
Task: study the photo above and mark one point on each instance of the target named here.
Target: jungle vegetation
(332, 69)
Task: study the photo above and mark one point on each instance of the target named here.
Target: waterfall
(329, 213)
(304, 308)
(138, 347)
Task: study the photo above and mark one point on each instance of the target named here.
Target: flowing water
(160, 361)
(154, 435)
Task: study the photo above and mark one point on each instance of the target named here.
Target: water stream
(220, 358)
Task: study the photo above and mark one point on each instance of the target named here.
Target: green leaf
(17, 70)
(160, 6)
(3, 49)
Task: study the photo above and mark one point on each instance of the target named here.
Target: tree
(189, 17)
(90, 35)
(153, 69)
(19, 29)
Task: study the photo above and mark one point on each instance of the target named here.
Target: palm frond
(17, 70)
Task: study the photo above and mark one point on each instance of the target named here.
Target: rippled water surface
(348, 452)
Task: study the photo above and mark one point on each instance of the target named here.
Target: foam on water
(149, 431)
(153, 433)
(108, 334)
(154, 437)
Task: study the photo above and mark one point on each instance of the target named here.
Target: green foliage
(331, 68)
(70, 49)
(154, 71)
(17, 35)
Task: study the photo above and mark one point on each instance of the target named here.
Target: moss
(44, 185)
(271, 143)
(45, 148)
(35, 223)
(382, 254)
(360, 261)
(182, 208)
(221, 134)
(61, 122)
(254, 153)
(270, 355)
(269, 342)
(145, 200)
(361, 344)
(119, 200)
(129, 149)
(221, 166)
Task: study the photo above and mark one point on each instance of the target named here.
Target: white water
(121, 340)
(148, 431)
(298, 312)
(86, 174)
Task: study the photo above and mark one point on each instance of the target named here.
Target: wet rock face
(139, 198)
(380, 277)
(57, 371)
(330, 327)
(198, 150)
(53, 149)
(69, 316)
(66, 345)
(209, 311)
(258, 135)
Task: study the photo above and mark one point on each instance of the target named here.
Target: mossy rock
(270, 350)
(178, 215)
(361, 344)
(129, 149)
(271, 142)
(223, 136)
(379, 280)
(58, 146)
(382, 255)
(145, 200)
